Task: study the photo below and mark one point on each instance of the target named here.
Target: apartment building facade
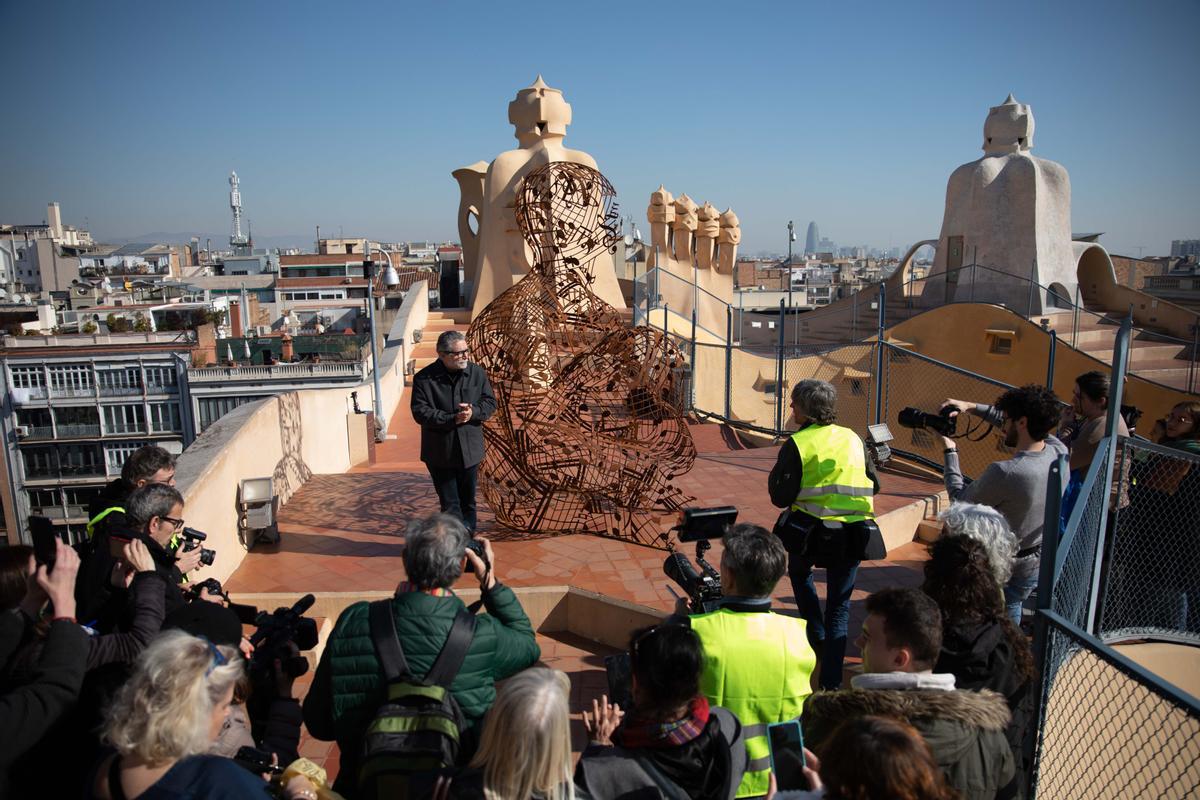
(75, 408)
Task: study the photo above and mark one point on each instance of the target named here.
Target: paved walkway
(345, 533)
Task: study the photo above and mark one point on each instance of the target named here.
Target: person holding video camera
(1016, 487)
(825, 477)
(758, 664)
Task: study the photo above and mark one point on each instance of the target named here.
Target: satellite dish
(3, 293)
(628, 240)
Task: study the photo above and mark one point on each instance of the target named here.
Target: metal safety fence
(1150, 585)
(1123, 573)
(1109, 727)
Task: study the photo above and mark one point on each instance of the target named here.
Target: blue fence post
(1051, 531)
(1115, 394)
(692, 382)
(779, 374)
(728, 358)
(879, 352)
(1050, 360)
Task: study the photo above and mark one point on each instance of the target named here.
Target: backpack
(418, 729)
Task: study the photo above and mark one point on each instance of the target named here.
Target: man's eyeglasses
(456, 353)
(178, 523)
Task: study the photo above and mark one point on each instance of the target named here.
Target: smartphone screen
(45, 548)
(787, 755)
(619, 672)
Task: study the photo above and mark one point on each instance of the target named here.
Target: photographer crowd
(123, 676)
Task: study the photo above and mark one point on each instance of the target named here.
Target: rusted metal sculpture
(585, 437)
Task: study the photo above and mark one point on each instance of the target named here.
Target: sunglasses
(456, 353)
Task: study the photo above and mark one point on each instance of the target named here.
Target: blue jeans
(1018, 589)
(456, 492)
(826, 632)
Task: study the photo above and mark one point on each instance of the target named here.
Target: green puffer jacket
(348, 686)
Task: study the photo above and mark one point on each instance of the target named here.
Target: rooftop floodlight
(390, 277)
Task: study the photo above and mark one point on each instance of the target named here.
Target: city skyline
(367, 143)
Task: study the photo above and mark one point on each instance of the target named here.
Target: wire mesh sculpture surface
(585, 437)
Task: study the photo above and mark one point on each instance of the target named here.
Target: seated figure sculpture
(585, 437)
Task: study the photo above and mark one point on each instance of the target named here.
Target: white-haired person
(165, 718)
(525, 749)
(987, 526)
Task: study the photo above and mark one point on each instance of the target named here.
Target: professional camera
(944, 422)
(476, 547)
(699, 525)
(246, 614)
(279, 629)
(192, 539)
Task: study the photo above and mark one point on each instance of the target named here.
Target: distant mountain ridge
(220, 241)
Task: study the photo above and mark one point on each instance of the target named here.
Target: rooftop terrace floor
(344, 533)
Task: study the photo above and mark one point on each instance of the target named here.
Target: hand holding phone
(787, 755)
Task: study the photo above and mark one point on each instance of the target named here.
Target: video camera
(945, 422)
(699, 525)
(192, 539)
(279, 629)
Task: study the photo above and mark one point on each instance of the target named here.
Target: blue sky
(353, 115)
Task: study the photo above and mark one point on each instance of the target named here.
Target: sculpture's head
(661, 198)
(685, 207)
(1008, 128)
(567, 213)
(538, 112)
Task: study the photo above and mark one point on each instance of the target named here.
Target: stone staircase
(1152, 358)
(439, 321)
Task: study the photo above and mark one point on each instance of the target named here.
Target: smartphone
(787, 755)
(116, 544)
(619, 672)
(45, 544)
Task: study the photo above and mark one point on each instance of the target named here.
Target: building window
(213, 408)
(115, 455)
(123, 380)
(27, 377)
(123, 419)
(72, 380)
(161, 379)
(164, 418)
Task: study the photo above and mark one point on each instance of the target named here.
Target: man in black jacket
(451, 399)
(106, 513)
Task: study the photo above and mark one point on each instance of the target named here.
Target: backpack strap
(454, 652)
(387, 643)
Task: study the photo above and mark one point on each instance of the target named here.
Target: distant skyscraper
(812, 239)
(1181, 248)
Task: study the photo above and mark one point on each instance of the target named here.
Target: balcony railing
(120, 391)
(72, 391)
(67, 431)
(279, 372)
(38, 432)
(123, 428)
(162, 388)
(67, 471)
(58, 512)
(26, 394)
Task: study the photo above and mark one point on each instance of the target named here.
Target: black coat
(29, 711)
(436, 393)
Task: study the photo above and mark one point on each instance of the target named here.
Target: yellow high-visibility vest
(758, 665)
(834, 484)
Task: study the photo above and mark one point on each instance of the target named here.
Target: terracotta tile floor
(345, 533)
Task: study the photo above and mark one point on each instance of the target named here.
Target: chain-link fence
(1076, 552)
(1151, 584)
(911, 380)
(1110, 729)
